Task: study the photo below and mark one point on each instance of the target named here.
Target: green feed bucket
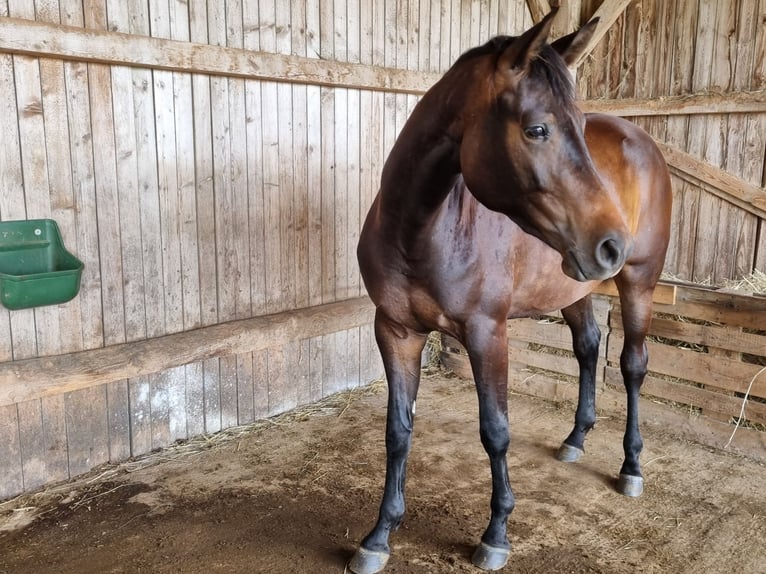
(35, 268)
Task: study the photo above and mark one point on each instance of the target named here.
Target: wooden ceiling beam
(712, 179)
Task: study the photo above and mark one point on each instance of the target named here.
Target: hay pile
(754, 283)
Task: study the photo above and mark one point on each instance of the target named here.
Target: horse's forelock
(548, 66)
(551, 66)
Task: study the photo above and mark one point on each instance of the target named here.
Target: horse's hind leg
(486, 342)
(586, 338)
(401, 349)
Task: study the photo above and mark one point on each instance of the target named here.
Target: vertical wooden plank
(195, 400)
(260, 384)
(327, 99)
(314, 168)
(105, 174)
(211, 375)
(55, 439)
(148, 186)
(456, 30)
(277, 383)
(185, 154)
(167, 177)
(701, 142)
(12, 202)
(177, 424)
(140, 416)
(239, 175)
(445, 33)
(203, 162)
(26, 73)
(432, 45)
(255, 147)
(245, 389)
(87, 430)
(680, 258)
(225, 207)
(738, 230)
(203, 411)
(31, 444)
(12, 481)
(118, 420)
(229, 391)
(271, 167)
(331, 383)
(287, 222)
(159, 405)
(341, 164)
(127, 182)
(292, 374)
(758, 82)
(302, 371)
(316, 368)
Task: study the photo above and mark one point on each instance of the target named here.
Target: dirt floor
(297, 494)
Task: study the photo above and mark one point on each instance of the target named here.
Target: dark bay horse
(500, 199)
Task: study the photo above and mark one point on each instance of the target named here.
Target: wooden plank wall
(199, 199)
(661, 49)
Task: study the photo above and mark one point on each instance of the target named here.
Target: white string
(744, 402)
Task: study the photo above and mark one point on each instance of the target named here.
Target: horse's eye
(537, 132)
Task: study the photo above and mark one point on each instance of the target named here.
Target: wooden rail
(41, 377)
(20, 36)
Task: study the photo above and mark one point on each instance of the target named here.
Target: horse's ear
(526, 47)
(572, 46)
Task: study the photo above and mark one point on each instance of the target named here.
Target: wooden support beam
(40, 39)
(607, 14)
(19, 36)
(538, 9)
(747, 196)
(664, 293)
(709, 103)
(36, 378)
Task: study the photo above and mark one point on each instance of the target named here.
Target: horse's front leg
(400, 349)
(586, 339)
(636, 302)
(487, 346)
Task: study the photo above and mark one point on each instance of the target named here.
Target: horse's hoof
(368, 561)
(489, 557)
(569, 453)
(630, 485)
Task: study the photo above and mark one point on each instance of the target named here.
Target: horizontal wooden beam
(664, 293)
(19, 36)
(748, 196)
(39, 39)
(36, 378)
(708, 103)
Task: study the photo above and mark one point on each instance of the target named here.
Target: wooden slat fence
(705, 349)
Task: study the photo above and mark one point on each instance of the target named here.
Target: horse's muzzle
(604, 261)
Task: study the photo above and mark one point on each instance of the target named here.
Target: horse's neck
(425, 160)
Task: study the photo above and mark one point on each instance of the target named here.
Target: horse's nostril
(609, 253)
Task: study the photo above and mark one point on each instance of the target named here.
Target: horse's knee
(398, 439)
(495, 437)
(634, 363)
(586, 344)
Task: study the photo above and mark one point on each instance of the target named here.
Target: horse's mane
(547, 65)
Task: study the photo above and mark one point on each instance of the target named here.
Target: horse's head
(523, 152)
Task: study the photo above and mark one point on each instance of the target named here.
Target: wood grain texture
(34, 378)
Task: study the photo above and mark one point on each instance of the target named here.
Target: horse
(501, 199)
